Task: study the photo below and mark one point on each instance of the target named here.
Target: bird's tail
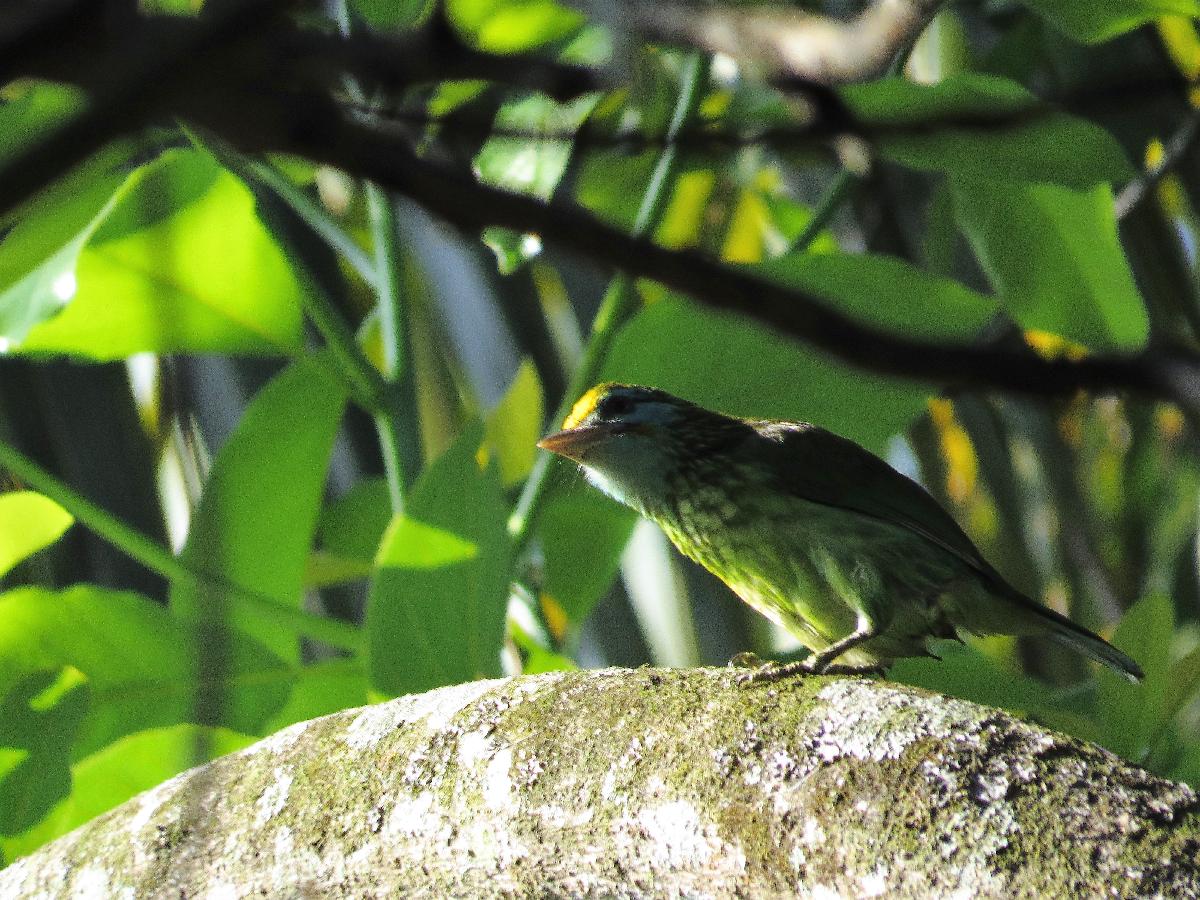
(1077, 638)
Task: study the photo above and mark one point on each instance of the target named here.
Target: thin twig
(1135, 193)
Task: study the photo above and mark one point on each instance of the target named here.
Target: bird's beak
(573, 443)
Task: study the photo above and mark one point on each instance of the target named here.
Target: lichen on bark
(645, 783)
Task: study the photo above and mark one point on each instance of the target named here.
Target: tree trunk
(644, 783)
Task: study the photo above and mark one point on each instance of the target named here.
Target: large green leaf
(984, 126)
(733, 365)
(256, 519)
(963, 671)
(349, 533)
(323, 688)
(1130, 714)
(581, 533)
(28, 522)
(514, 426)
(176, 261)
(1053, 255)
(140, 662)
(438, 599)
(1093, 21)
(124, 769)
(39, 717)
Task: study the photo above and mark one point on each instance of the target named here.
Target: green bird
(822, 537)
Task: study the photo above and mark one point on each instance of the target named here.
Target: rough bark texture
(644, 783)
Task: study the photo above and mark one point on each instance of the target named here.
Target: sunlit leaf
(411, 544)
(530, 164)
(28, 523)
(258, 513)
(509, 26)
(178, 261)
(1054, 256)
(512, 429)
(436, 614)
(124, 769)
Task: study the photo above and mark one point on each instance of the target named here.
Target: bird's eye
(616, 405)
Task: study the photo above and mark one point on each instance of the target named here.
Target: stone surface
(644, 783)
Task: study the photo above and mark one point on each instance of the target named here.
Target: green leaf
(537, 658)
(39, 717)
(411, 544)
(322, 688)
(733, 365)
(349, 533)
(38, 257)
(139, 661)
(126, 768)
(510, 26)
(1054, 256)
(177, 261)
(963, 671)
(28, 523)
(258, 513)
(1182, 684)
(582, 534)
(983, 126)
(352, 525)
(514, 426)
(1094, 21)
(1130, 714)
(436, 612)
(39, 108)
(529, 164)
(391, 15)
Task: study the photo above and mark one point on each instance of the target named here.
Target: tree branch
(783, 41)
(584, 784)
(1172, 373)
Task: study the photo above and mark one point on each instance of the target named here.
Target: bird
(856, 560)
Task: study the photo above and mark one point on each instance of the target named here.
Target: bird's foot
(772, 672)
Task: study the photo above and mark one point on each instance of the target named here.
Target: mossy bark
(645, 783)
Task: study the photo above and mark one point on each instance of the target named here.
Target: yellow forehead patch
(584, 405)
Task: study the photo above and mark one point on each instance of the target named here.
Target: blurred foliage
(238, 302)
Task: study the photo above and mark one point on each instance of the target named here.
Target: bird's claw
(771, 672)
(747, 659)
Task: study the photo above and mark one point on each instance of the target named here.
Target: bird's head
(631, 439)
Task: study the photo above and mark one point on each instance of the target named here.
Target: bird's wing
(824, 468)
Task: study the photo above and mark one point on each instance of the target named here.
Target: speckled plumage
(857, 561)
